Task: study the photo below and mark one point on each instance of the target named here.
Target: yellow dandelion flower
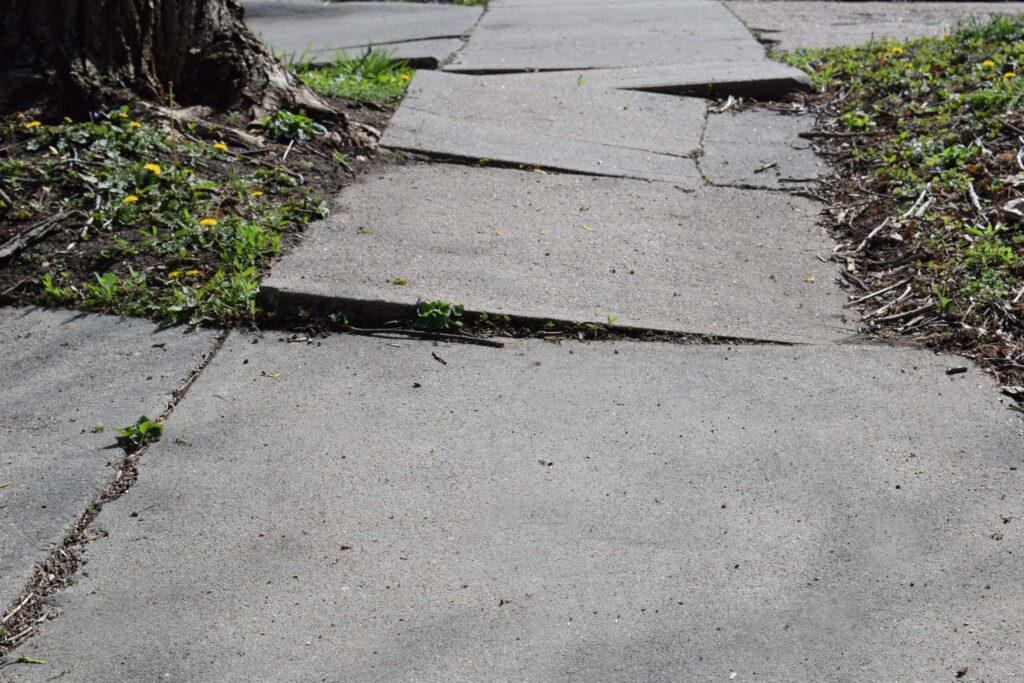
(153, 168)
(122, 115)
(208, 222)
(173, 274)
(897, 50)
(1009, 75)
(33, 124)
(988, 64)
(130, 199)
(257, 193)
(191, 273)
(67, 119)
(134, 124)
(404, 77)
(220, 147)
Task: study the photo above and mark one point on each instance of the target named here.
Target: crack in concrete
(56, 573)
(448, 158)
(376, 313)
(464, 38)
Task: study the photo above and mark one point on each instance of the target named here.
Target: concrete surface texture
(613, 511)
(315, 31)
(792, 24)
(520, 36)
(563, 124)
(70, 380)
(565, 247)
(365, 509)
(760, 148)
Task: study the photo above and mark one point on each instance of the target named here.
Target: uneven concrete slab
(615, 511)
(420, 32)
(563, 247)
(788, 25)
(742, 79)
(546, 36)
(558, 124)
(65, 374)
(760, 148)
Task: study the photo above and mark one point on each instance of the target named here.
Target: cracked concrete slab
(760, 148)
(546, 36)
(555, 123)
(65, 375)
(789, 25)
(565, 247)
(420, 32)
(560, 512)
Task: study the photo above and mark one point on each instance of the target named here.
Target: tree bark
(182, 52)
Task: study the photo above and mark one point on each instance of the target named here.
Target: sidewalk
(771, 500)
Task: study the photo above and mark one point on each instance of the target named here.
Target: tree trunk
(85, 53)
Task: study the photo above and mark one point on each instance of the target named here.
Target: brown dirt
(63, 249)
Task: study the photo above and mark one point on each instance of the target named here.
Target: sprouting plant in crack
(438, 315)
(133, 437)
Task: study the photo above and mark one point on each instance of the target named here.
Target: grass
(927, 135)
(158, 223)
(374, 76)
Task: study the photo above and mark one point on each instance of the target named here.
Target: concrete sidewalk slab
(760, 148)
(565, 247)
(557, 124)
(514, 36)
(789, 24)
(615, 511)
(64, 375)
(762, 79)
(420, 32)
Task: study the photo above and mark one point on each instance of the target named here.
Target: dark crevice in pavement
(764, 89)
(30, 608)
(799, 188)
(422, 63)
(758, 33)
(444, 158)
(290, 311)
(698, 156)
(464, 38)
(515, 72)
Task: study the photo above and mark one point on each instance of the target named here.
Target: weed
(930, 142)
(174, 240)
(438, 315)
(494, 320)
(289, 126)
(133, 437)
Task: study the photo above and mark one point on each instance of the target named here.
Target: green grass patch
(154, 222)
(375, 76)
(927, 135)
